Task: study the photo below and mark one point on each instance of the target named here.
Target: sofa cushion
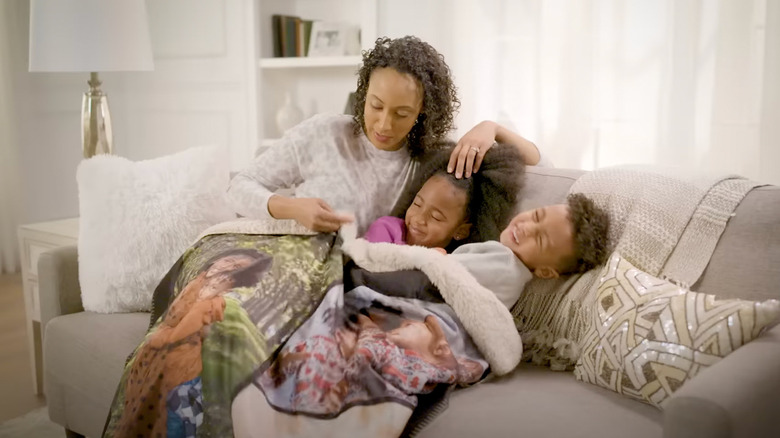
(534, 401)
(648, 336)
(84, 356)
(745, 262)
(545, 186)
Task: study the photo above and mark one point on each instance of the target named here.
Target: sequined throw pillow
(648, 336)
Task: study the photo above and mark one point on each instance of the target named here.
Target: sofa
(84, 353)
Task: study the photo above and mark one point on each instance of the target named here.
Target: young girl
(546, 242)
(446, 212)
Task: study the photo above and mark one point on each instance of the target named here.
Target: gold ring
(475, 149)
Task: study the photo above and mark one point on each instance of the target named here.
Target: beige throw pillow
(648, 336)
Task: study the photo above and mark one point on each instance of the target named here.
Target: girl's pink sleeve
(387, 229)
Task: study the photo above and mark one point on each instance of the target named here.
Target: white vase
(288, 115)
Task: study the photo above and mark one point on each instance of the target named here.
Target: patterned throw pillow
(648, 336)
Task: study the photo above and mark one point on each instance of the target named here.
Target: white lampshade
(89, 36)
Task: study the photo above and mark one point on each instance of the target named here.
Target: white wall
(201, 92)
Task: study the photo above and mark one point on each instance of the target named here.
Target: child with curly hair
(443, 211)
(546, 242)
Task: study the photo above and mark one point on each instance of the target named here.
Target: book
(289, 35)
(298, 37)
(276, 29)
(306, 36)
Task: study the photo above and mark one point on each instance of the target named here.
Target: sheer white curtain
(9, 185)
(603, 82)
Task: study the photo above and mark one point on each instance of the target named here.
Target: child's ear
(546, 272)
(462, 231)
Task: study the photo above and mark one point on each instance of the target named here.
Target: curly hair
(591, 227)
(412, 56)
(491, 193)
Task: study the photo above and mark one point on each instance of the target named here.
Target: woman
(171, 355)
(405, 103)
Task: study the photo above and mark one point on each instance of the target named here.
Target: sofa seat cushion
(535, 401)
(84, 355)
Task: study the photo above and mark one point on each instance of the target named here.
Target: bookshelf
(316, 84)
(305, 62)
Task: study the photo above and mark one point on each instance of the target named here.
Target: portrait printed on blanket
(362, 348)
(166, 369)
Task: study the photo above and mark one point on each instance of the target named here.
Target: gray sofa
(84, 353)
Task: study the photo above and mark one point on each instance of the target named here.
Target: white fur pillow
(136, 219)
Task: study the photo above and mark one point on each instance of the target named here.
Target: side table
(35, 239)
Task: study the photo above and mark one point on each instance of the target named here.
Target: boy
(545, 242)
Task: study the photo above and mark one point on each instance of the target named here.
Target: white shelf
(303, 62)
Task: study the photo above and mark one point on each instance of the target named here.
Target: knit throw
(665, 221)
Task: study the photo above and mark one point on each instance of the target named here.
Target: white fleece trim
(487, 320)
(258, 226)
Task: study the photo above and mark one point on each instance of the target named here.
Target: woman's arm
(471, 148)
(251, 192)
(274, 169)
(528, 150)
(313, 213)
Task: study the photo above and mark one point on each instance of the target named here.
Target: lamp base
(96, 135)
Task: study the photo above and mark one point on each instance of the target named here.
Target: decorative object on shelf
(334, 39)
(288, 115)
(90, 36)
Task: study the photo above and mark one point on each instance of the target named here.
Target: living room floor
(15, 371)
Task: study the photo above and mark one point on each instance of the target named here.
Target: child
(446, 212)
(545, 242)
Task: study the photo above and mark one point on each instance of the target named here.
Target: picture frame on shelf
(328, 39)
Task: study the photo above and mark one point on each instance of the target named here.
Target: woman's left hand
(471, 148)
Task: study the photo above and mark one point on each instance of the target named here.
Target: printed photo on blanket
(363, 347)
(168, 365)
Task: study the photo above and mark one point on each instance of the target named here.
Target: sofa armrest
(737, 397)
(58, 283)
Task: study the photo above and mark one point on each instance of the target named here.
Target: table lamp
(90, 36)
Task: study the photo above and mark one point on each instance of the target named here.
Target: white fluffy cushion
(136, 219)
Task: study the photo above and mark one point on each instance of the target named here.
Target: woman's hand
(316, 215)
(471, 148)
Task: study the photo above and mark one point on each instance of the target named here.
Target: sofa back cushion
(744, 264)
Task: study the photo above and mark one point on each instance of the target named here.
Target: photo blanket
(253, 334)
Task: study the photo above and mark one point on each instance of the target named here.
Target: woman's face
(426, 338)
(393, 102)
(228, 264)
(217, 276)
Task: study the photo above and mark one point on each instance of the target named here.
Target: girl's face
(437, 214)
(393, 102)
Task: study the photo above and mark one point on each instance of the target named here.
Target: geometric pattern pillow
(648, 336)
